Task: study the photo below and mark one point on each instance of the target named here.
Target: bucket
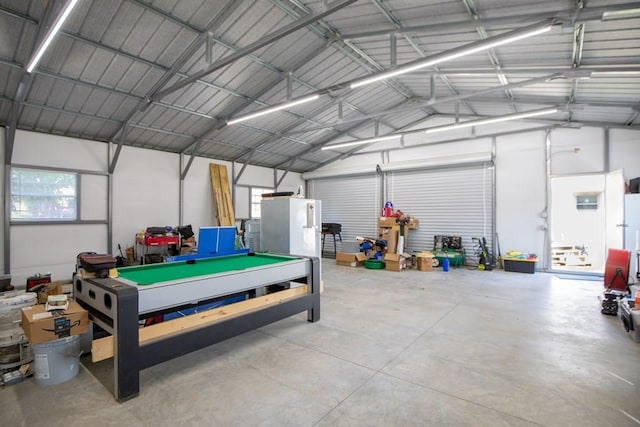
(56, 361)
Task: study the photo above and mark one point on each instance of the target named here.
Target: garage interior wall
(146, 192)
(520, 172)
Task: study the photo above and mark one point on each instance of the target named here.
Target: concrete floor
(452, 348)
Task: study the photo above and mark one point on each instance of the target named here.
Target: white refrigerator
(632, 232)
(290, 226)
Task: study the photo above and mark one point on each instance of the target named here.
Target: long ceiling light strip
(274, 109)
(491, 120)
(459, 52)
(51, 34)
(362, 142)
(621, 14)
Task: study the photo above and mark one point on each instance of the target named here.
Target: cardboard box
(395, 262)
(40, 325)
(390, 234)
(391, 222)
(351, 259)
(54, 288)
(387, 221)
(425, 262)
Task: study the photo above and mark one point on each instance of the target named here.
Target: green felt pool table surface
(154, 273)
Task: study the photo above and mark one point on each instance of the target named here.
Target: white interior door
(578, 217)
(614, 210)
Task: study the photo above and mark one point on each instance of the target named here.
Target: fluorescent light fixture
(457, 53)
(491, 120)
(621, 14)
(274, 109)
(51, 34)
(361, 142)
(616, 73)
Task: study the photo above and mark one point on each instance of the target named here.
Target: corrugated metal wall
(451, 202)
(352, 201)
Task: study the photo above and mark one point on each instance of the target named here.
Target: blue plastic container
(445, 264)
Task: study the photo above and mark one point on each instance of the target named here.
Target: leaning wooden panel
(222, 194)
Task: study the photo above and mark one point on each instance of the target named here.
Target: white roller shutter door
(352, 201)
(450, 202)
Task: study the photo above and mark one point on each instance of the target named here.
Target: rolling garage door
(452, 202)
(352, 201)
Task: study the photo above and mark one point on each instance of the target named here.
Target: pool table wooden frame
(115, 306)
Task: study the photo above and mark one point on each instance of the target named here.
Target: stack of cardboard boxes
(390, 231)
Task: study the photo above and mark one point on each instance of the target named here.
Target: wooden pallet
(569, 256)
(222, 195)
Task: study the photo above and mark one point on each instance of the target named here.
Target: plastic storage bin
(520, 265)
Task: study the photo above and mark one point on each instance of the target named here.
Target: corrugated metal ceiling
(142, 66)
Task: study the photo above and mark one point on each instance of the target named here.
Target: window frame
(79, 174)
(583, 205)
(252, 203)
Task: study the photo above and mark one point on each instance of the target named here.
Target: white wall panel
(254, 175)
(482, 145)
(291, 181)
(52, 249)
(145, 192)
(625, 152)
(575, 151)
(33, 148)
(241, 203)
(521, 192)
(94, 197)
(366, 162)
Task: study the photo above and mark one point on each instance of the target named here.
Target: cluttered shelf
(167, 239)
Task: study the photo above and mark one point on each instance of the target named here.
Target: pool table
(117, 304)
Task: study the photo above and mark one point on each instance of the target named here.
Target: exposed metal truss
(167, 75)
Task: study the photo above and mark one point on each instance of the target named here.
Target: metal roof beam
(429, 103)
(221, 124)
(586, 14)
(316, 147)
(576, 55)
(353, 150)
(413, 43)
(473, 11)
(195, 44)
(448, 141)
(263, 41)
(25, 81)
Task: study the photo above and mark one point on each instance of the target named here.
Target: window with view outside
(256, 197)
(38, 195)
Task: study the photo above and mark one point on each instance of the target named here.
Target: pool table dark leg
(126, 362)
(313, 314)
